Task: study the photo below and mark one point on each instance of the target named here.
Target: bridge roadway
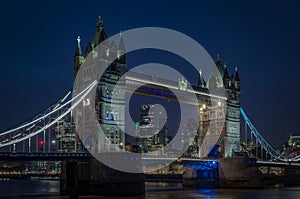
(197, 163)
(9, 156)
(56, 156)
(276, 163)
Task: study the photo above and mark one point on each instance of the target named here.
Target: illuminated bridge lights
(131, 158)
(207, 165)
(158, 91)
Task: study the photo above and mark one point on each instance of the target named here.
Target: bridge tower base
(206, 179)
(239, 173)
(94, 178)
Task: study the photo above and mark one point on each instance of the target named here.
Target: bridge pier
(94, 178)
(206, 179)
(202, 176)
(239, 172)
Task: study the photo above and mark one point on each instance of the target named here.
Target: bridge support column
(94, 178)
(201, 178)
(239, 173)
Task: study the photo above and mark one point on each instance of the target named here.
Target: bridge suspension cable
(38, 116)
(265, 146)
(44, 121)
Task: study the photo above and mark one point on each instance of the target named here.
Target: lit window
(108, 94)
(109, 116)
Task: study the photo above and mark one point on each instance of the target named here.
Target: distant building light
(42, 142)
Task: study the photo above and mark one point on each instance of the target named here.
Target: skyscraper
(151, 129)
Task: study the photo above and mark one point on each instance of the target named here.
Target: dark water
(50, 189)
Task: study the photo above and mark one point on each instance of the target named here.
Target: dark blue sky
(38, 41)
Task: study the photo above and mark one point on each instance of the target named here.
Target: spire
(237, 77)
(121, 50)
(100, 22)
(226, 76)
(232, 82)
(201, 81)
(219, 65)
(121, 44)
(78, 51)
(100, 34)
(218, 60)
(78, 57)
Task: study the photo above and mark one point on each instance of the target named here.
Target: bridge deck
(43, 156)
(279, 164)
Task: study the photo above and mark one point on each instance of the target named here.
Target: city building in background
(65, 136)
(294, 141)
(151, 130)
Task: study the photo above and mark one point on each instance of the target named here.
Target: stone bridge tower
(233, 134)
(212, 116)
(111, 120)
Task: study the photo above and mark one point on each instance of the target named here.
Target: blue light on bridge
(131, 158)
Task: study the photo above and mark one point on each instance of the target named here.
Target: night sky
(38, 41)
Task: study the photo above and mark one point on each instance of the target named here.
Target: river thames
(50, 189)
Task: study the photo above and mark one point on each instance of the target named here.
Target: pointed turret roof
(219, 65)
(121, 44)
(236, 77)
(78, 51)
(201, 81)
(226, 76)
(100, 34)
(218, 60)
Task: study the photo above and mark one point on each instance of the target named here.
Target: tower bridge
(217, 113)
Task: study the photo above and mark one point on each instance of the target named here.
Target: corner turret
(78, 57)
(201, 81)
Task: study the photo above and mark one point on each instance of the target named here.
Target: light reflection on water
(50, 189)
